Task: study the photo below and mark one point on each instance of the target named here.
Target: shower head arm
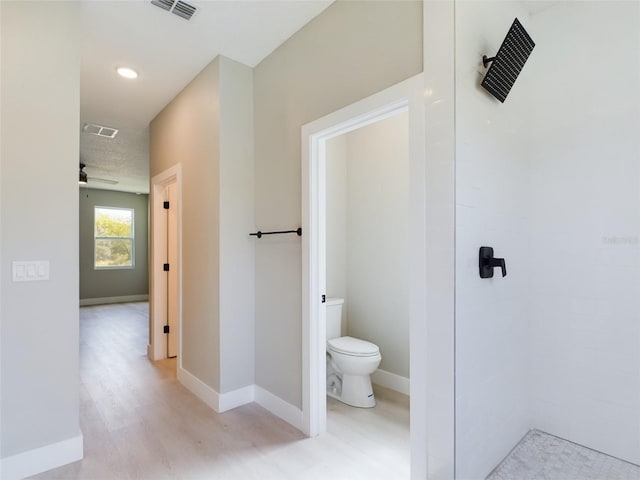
(486, 60)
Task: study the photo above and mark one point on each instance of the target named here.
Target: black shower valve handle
(499, 262)
(487, 262)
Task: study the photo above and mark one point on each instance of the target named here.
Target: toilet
(350, 362)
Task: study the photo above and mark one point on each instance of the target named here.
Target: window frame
(132, 238)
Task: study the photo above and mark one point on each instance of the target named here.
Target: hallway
(138, 422)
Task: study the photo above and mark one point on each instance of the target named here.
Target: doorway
(170, 205)
(407, 97)
(166, 285)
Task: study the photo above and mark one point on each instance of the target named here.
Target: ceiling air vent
(178, 7)
(100, 130)
(184, 10)
(164, 4)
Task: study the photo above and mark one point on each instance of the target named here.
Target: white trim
(235, 398)
(408, 94)
(436, 385)
(157, 307)
(279, 407)
(84, 302)
(222, 402)
(42, 459)
(200, 389)
(391, 381)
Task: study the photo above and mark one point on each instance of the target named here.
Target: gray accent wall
(113, 282)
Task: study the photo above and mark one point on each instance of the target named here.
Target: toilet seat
(353, 347)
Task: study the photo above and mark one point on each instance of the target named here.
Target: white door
(172, 274)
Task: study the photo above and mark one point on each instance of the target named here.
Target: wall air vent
(177, 7)
(100, 130)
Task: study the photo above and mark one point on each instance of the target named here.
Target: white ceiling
(167, 52)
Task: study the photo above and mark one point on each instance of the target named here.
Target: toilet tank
(334, 317)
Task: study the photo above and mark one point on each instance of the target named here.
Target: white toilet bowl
(350, 363)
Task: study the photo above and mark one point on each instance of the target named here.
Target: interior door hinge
(166, 267)
(324, 298)
(166, 329)
(166, 205)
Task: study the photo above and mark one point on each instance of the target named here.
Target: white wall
(585, 204)
(433, 291)
(337, 225)
(492, 200)
(350, 51)
(237, 249)
(208, 128)
(374, 192)
(550, 179)
(187, 131)
(40, 78)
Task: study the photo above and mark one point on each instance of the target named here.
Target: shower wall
(492, 199)
(585, 222)
(551, 180)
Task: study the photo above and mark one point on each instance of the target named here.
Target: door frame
(157, 349)
(404, 96)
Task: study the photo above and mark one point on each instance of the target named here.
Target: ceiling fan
(84, 178)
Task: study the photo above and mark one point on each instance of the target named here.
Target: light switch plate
(30, 271)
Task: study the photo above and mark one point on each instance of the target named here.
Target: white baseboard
(235, 398)
(42, 459)
(391, 380)
(85, 302)
(200, 389)
(251, 393)
(278, 407)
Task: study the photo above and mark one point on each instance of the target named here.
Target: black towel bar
(259, 234)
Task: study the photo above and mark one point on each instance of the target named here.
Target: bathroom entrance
(362, 225)
(367, 287)
(366, 245)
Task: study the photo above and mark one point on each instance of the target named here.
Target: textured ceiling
(167, 51)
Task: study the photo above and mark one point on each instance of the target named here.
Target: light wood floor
(138, 422)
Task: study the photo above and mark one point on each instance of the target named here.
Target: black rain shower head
(508, 62)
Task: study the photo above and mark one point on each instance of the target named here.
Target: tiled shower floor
(540, 456)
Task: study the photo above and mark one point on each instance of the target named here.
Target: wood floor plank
(138, 422)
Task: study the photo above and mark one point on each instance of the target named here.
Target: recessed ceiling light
(127, 72)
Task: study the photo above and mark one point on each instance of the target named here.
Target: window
(114, 242)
